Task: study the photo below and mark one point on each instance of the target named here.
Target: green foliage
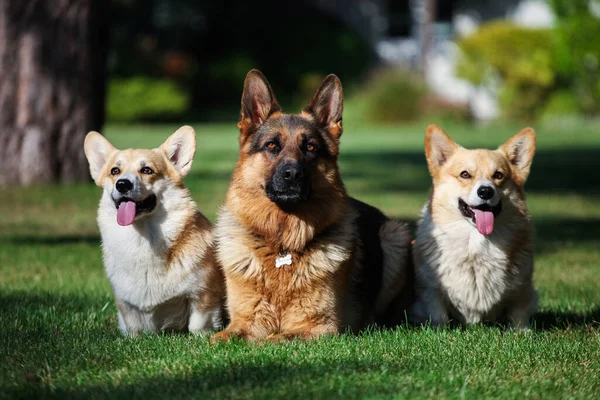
(141, 98)
(218, 42)
(525, 60)
(393, 96)
(569, 8)
(561, 104)
(529, 65)
(517, 54)
(581, 35)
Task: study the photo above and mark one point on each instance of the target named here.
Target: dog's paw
(223, 336)
(280, 338)
(232, 334)
(523, 327)
(201, 332)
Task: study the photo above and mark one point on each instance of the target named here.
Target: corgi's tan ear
(519, 150)
(328, 105)
(97, 150)
(258, 102)
(180, 148)
(439, 147)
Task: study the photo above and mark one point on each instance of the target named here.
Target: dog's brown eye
(498, 175)
(271, 145)
(115, 171)
(311, 147)
(465, 175)
(147, 171)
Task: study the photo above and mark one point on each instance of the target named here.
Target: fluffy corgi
(473, 252)
(301, 258)
(158, 250)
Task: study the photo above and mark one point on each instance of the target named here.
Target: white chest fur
(135, 259)
(473, 271)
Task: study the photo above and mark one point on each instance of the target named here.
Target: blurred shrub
(393, 95)
(526, 61)
(308, 84)
(540, 71)
(568, 8)
(580, 34)
(442, 109)
(561, 104)
(142, 98)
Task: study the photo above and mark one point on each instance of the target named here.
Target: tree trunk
(52, 87)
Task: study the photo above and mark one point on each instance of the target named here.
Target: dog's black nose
(292, 173)
(485, 192)
(124, 185)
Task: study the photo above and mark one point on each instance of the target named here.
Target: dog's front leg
(305, 333)
(522, 309)
(243, 331)
(429, 308)
(122, 326)
(131, 320)
(205, 319)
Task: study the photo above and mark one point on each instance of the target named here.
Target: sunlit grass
(59, 335)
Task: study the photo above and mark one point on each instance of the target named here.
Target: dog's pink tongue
(126, 213)
(484, 221)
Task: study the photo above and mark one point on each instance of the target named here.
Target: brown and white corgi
(474, 251)
(158, 250)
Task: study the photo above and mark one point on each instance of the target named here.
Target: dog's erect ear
(328, 104)
(97, 150)
(519, 150)
(180, 148)
(439, 147)
(258, 102)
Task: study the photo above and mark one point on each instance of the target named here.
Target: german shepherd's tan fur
(286, 197)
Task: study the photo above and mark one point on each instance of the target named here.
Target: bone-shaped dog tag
(282, 260)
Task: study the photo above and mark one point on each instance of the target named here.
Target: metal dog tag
(283, 259)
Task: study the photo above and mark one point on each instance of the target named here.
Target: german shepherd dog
(301, 258)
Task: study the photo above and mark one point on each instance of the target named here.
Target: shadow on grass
(550, 320)
(233, 374)
(21, 303)
(553, 171)
(552, 233)
(43, 240)
(241, 379)
(37, 325)
(542, 321)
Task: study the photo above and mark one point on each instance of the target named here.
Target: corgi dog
(158, 250)
(473, 251)
(301, 258)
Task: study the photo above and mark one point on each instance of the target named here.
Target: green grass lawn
(58, 327)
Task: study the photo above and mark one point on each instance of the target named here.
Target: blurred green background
(174, 60)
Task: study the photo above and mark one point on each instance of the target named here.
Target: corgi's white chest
(136, 265)
(473, 269)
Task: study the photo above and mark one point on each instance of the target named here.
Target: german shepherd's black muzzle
(290, 184)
